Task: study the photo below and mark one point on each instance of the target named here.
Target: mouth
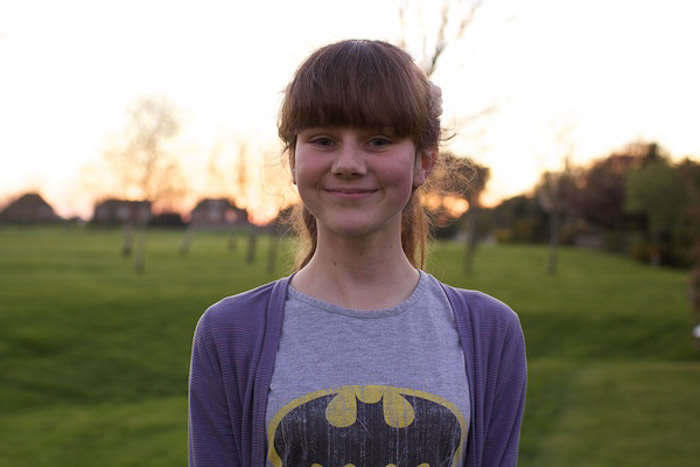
(350, 193)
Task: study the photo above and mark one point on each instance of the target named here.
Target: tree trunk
(187, 240)
(694, 286)
(252, 242)
(470, 241)
(655, 249)
(128, 242)
(554, 229)
(232, 239)
(140, 257)
(273, 247)
(694, 293)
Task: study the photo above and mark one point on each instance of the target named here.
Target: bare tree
(557, 189)
(435, 31)
(215, 183)
(555, 197)
(449, 25)
(242, 184)
(225, 179)
(144, 167)
(473, 196)
(461, 176)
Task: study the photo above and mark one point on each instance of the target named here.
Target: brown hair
(362, 84)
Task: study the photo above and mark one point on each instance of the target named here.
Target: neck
(358, 272)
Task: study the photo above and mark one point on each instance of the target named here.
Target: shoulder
(485, 323)
(491, 335)
(243, 312)
(478, 306)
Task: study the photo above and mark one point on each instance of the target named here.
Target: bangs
(357, 84)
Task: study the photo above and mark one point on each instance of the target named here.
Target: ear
(425, 161)
(292, 166)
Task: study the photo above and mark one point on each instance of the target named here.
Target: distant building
(217, 212)
(120, 211)
(29, 208)
(167, 219)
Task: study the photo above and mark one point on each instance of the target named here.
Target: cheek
(400, 175)
(308, 171)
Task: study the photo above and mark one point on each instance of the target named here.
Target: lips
(351, 193)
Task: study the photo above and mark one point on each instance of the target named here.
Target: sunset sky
(555, 74)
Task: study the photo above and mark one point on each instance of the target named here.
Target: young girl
(358, 358)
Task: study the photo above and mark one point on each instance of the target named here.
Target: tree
(556, 189)
(690, 173)
(449, 26)
(473, 197)
(656, 191)
(519, 219)
(243, 183)
(462, 177)
(603, 185)
(146, 169)
(556, 194)
(435, 33)
(219, 186)
(602, 190)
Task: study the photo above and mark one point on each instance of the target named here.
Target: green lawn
(94, 356)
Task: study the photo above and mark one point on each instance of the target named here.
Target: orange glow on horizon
(453, 205)
(524, 87)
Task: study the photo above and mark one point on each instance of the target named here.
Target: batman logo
(367, 426)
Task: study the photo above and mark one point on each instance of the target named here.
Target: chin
(354, 224)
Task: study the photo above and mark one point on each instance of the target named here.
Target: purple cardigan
(233, 356)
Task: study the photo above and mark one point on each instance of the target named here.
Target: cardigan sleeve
(509, 372)
(494, 351)
(232, 362)
(211, 439)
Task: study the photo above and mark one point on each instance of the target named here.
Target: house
(217, 212)
(29, 208)
(169, 219)
(120, 211)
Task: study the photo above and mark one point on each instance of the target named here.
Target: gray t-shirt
(369, 388)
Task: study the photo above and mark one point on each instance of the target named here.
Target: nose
(349, 161)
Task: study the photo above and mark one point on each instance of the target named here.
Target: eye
(322, 141)
(379, 142)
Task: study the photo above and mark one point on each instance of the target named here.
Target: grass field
(94, 357)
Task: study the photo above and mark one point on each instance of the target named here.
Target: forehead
(370, 111)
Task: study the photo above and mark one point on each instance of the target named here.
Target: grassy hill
(94, 357)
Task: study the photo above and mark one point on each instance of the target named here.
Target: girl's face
(356, 182)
